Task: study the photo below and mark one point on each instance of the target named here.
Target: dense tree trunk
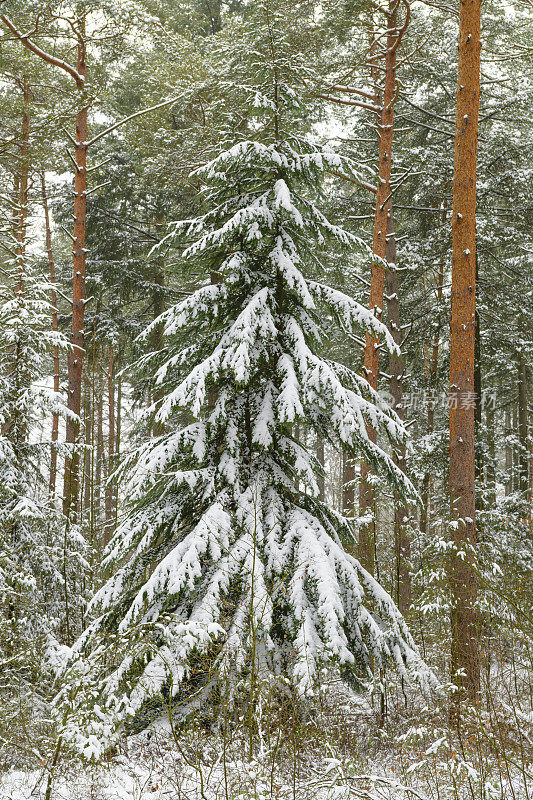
(348, 485)
(508, 454)
(530, 487)
(401, 511)
(157, 334)
(88, 421)
(99, 454)
(119, 412)
(478, 419)
(19, 422)
(523, 453)
(75, 355)
(366, 547)
(514, 449)
(55, 352)
(491, 455)
(109, 490)
(118, 429)
(23, 177)
(321, 460)
(465, 650)
(433, 369)
(213, 10)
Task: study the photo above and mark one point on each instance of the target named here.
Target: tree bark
(55, 352)
(523, 454)
(432, 380)
(430, 419)
(348, 485)
(23, 186)
(109, 491)
(478, 419)
(158, 428)
(100, 469)
(213, 10)
(22, 377)
(491, 455)
(401, 510)
(88, 421)
(119, 412)
(508, 455)
(530, 487)
(465, 648)
(514, 449)
(75, 355)
(118, 429)
(320, 458)
(366, 546)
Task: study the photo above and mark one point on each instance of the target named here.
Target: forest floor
(342, 751)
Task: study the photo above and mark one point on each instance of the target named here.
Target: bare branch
(127, 119)
(56, 62)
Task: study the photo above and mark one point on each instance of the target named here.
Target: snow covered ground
(154, 769)
(351, 758)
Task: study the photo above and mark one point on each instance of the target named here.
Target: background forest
(266, 414)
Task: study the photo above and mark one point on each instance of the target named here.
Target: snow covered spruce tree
(34, 549)
(228, 563)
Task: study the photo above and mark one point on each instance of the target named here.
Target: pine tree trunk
(118, 429)
(465, 648)
(348, 485)
(23, 185)
(157, 336)
(508, 455)
(433, 370)
(514, 451)
(118, 417)
(321, 460)
(75, 355)
(55, 354)
(523, 454)
(88, 420)
(213, 10)
(339, 483)
(22, 379)
(100, 466)
(530, 487)
(367, 498)
(109, 491)
(477, 399)
(491, 453)
(401, 511)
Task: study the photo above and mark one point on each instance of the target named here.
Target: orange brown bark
(75, 355)
(465, 648)
(55, 354)
(366, 546)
